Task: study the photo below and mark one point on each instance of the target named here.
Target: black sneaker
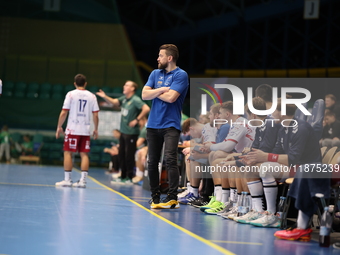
(170, 202)
(156, 198)
(201, 201)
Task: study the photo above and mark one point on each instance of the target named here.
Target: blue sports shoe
(187, 199)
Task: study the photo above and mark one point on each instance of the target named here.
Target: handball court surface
(38, 218)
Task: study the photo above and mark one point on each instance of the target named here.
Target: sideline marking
(234, 242)
(205, 241)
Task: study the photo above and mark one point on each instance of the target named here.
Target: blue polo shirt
(163, 114)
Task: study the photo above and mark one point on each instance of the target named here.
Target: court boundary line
(199, 238)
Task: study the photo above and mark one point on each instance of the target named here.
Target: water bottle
(325, 228)
(240, 204)
(280, 207)
(247, 203)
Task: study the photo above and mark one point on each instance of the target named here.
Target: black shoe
(170, 202)
(155, 199)
(201, 201)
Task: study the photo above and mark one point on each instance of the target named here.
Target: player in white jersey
(240, 136)
(79, 105)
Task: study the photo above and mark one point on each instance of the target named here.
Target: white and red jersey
(81, 104)
(240, 136)
(209, 133)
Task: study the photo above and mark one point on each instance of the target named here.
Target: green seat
(107, 90)
(68, 88)
(38, 138)
(93, 89)
(117, 90)
(95, 157)
(57, 95)
(139, 92)
(32, 94)
(45, 87)
(33, 87)
(44, 95)
(8, 85)
(97, 149)
(19, 94)
(106, 158)
(57, 88)
(55, 155)
(7, 92)
(16, 137)
(20, 86)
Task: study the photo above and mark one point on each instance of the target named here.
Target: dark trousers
(115, 162)
(207, 188)
(156, 138)
(127, 150)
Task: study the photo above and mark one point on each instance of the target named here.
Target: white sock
(194, 190)
(225, 195)
(189, 187)
(67, 175)
(270, 191)
(256, 192)
(139, 173)
(218, 192)
(83, 175)
(233, 193)
(302, 220)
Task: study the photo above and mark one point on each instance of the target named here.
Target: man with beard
(167, 87)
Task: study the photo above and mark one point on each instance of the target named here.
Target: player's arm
(95, 122)
(145, 110)
(108, 99)
(170, 96)
(140, 141)
(149, 93)
(61, 120)
(258, 156)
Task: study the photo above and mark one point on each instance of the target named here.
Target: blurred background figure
(5, 143)
(114, 151)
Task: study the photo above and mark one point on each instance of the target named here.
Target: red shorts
(76, 143)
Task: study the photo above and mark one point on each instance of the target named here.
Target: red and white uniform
(241, 135)
(81, 104)
(209, 133)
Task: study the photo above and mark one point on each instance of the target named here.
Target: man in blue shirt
(167, 87)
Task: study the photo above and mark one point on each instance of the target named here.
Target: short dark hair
(80, 80)
(265, 92)
(171, 50)
(290, 108)
(258, 103)
(329, 114)
(331, 96)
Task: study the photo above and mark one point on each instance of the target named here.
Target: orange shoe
(295, 234)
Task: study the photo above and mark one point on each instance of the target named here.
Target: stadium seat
(45, 87)
(68, 88)
(329, 155)
(57, 88)
(20, 86)
(315, 120)
(107, 90)
(93, 89)
(299, 114)
(117, 90)
(32, 94)
(57, 95)
(33, 87)
(44, 95)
